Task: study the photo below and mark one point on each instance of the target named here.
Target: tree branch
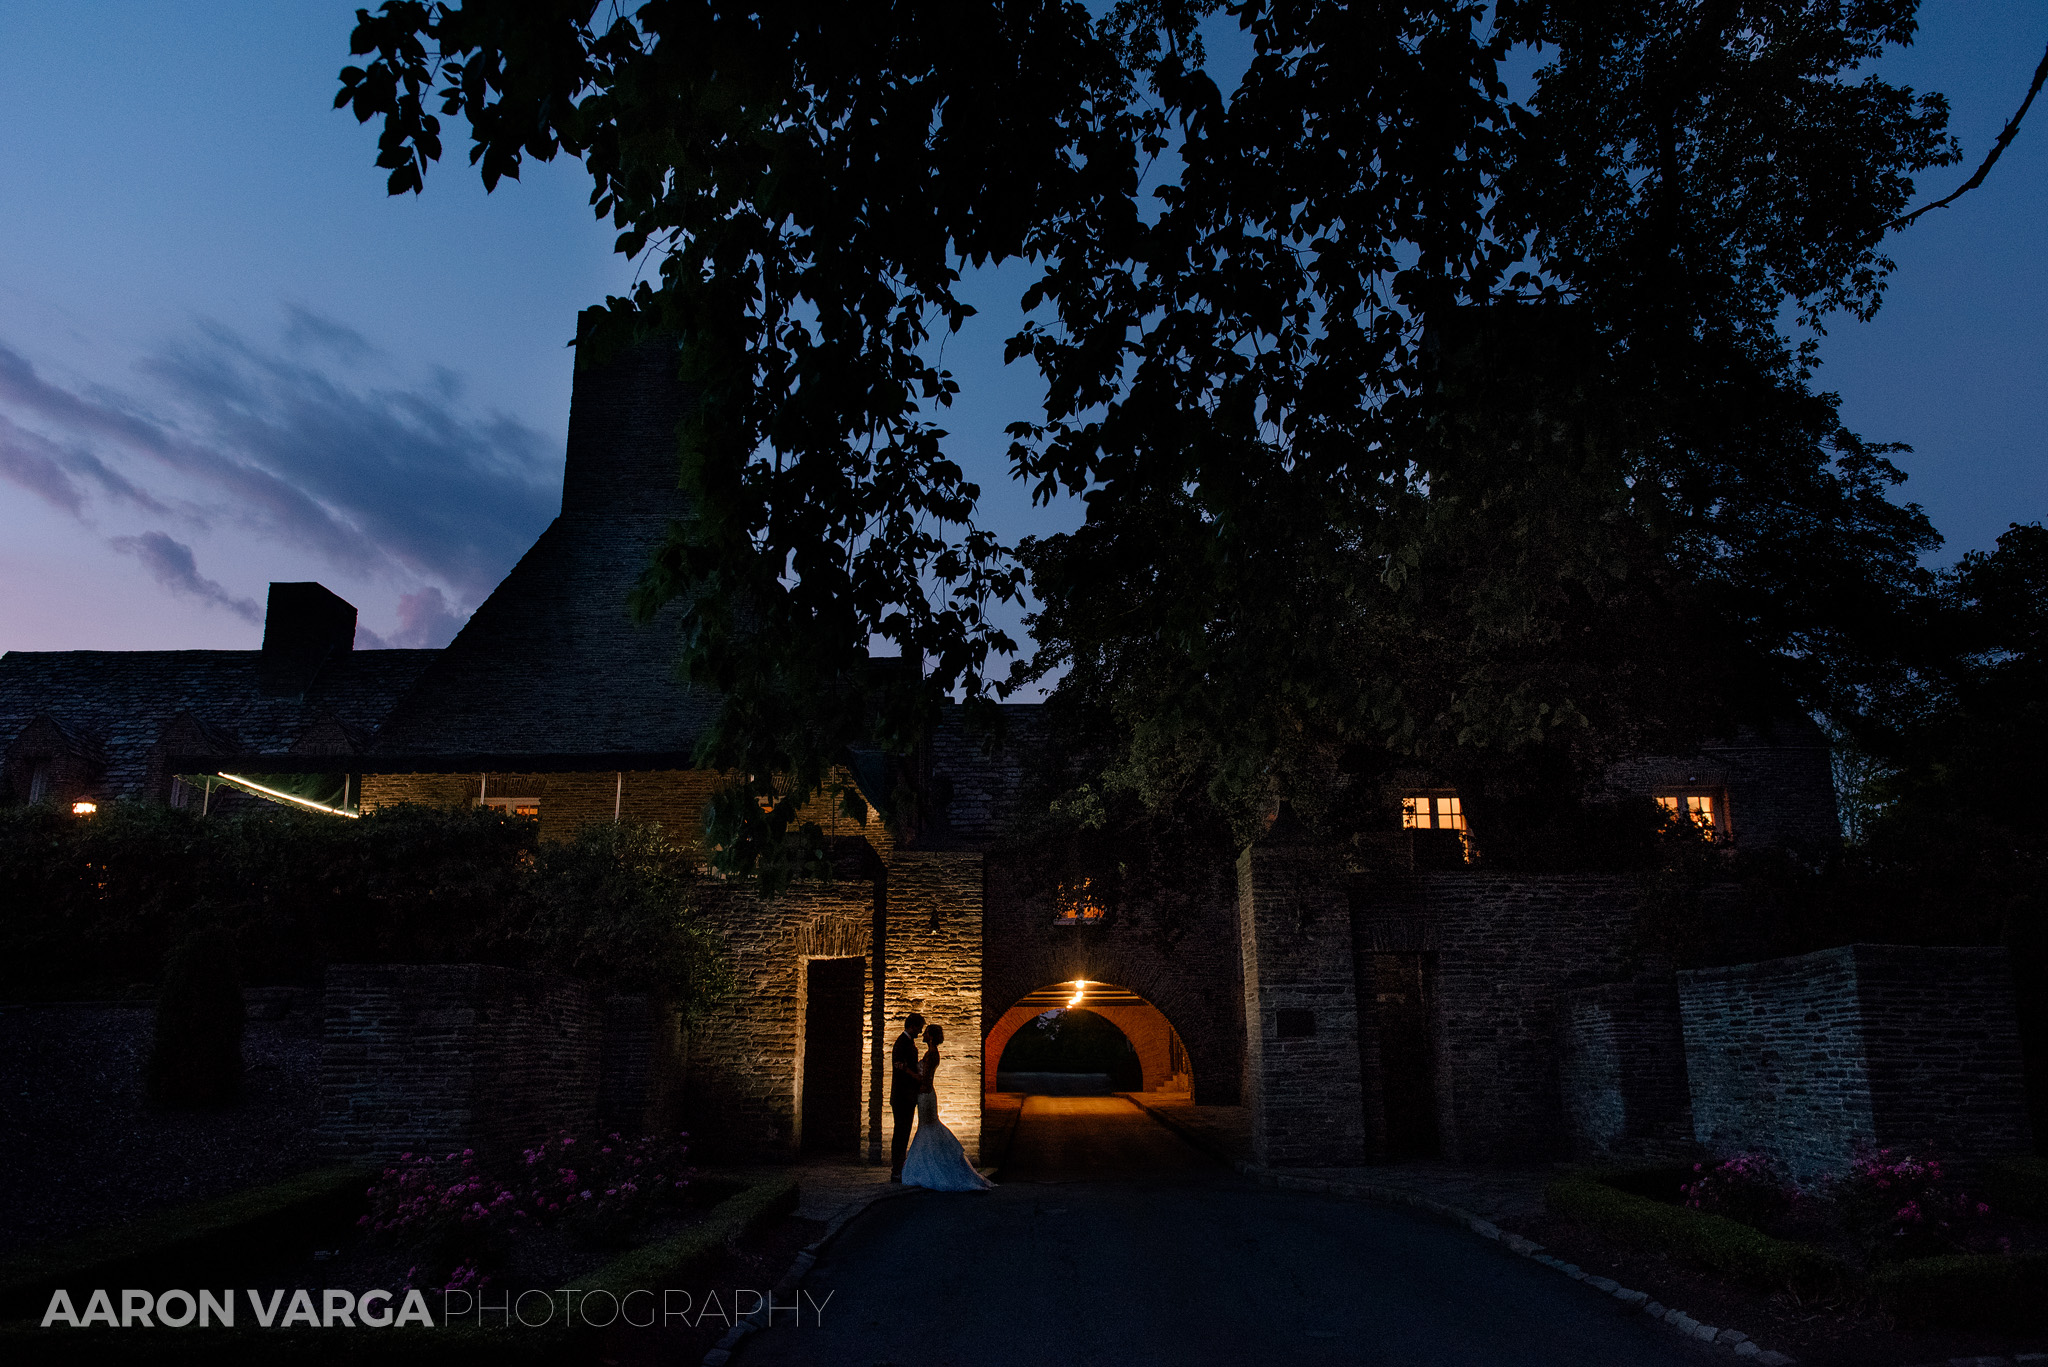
(2005, 138)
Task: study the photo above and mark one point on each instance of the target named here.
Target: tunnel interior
(1079, 1037)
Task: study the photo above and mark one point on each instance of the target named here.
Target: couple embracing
(935, 1159)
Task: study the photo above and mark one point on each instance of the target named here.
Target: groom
(906, 1080)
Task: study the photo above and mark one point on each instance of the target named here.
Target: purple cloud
(172, 564)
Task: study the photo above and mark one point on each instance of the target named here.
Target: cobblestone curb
(1734, 1341)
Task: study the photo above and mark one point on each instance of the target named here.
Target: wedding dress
(936, 1161)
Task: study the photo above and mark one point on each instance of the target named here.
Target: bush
(1712, 1240)
(461, 1216)
(196, 1058)
(97, 905)
(1966, 1291)
(1900, 1207)
(1750, 1188)
(2019, 1185)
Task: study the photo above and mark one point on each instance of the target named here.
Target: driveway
(1111, 1241)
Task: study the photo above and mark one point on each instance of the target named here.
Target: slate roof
(551, 673)
(123, 700)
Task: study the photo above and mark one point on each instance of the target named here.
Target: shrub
(96, 905)
(1712, 1240)
(2020, 1185)
(196, 1058)
(1750, 1188)
(461, 1215)
(1968, 1291)
(1901, 1207)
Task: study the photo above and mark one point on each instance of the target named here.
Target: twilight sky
(226, 357)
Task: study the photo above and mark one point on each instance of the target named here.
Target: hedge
(1715, 1241)
(2018, 1185)
(1969, 1291)
(690, 1253)
(193, 1237)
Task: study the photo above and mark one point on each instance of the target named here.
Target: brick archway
(1162, 1058)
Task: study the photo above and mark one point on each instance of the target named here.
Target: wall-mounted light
(84, 808)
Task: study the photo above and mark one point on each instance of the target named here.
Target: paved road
(1111, 1241)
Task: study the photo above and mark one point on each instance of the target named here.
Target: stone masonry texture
(1622, 1066)
(1504, 951)
(433, 1057)
(1300, 1007)
(1805, 1058)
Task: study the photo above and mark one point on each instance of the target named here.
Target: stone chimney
(304, 626)
(622, 433)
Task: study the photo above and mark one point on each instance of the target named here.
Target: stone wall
(1178, 949)
(745, 1089)
(1806, 1057)
(451, 1056)
(1302, 1075)
(1504, 950)
(1622, 1066)
(935, 969)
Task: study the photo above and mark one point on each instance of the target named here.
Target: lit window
(1420, 813)
(84, 808)
(1697, 807)
(515, 806)
(1077, 905)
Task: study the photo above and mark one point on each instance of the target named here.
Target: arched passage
(1162, 1059)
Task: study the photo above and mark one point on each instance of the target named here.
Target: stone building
(1400, 1005)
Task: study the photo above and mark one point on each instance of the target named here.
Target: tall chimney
(304, 626)
(622, 433)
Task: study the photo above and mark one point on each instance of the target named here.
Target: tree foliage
(1419, 412)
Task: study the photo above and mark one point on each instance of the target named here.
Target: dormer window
(38, 780)
(1076, 905)
(1704, 810)
(1432, 812)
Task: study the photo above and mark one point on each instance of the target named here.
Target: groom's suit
(904, 1085)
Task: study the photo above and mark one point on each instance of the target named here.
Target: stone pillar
(1300, 1002)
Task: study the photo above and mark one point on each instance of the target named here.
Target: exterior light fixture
(84, 808)
(1080, 986)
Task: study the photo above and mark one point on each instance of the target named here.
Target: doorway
(833, 992)
(1401, 1009)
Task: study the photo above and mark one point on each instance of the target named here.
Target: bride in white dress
(936, 1161)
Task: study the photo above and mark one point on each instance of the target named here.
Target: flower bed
(1894, 1233)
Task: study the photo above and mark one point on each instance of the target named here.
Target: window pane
(1450, 814)
(1414, 813)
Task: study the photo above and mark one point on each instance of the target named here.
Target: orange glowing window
(1431, 813)
(84, 808)
(515, 806)
(1699, 808)
(1076, 904)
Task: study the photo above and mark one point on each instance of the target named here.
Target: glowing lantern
(84, 808)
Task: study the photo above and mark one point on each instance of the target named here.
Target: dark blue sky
(227, 358)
